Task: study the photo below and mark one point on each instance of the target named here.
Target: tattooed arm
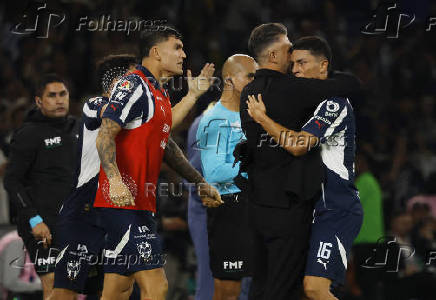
(106, 147)
(175, 158)
(119, 193)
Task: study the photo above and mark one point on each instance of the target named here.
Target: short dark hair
(149, 38)
(316, 45)
(111, 67)
(46, 79)
(264, 35)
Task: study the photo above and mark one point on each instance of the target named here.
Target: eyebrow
(52, 94)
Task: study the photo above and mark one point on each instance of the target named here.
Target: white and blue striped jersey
(88, 165)
(333, 122)
(125, 105)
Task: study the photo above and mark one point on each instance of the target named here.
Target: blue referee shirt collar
(149, 76)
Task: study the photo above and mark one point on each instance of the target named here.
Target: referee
(227, 225)
(282, 188)
(40, 172)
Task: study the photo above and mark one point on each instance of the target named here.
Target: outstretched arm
(197, 87)
(295, 142)
(175, 158)
(338, 83)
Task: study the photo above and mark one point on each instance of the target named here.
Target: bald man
(218, 133)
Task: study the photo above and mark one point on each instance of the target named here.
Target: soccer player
(338, 213)
(133, 140)
(40, 171)
(78, 268)
(218, 133)
(80, 238)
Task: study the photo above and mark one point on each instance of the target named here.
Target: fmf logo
(46, 261)
(53, 142)
(237, 265)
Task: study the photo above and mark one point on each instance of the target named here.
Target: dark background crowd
(396, 116)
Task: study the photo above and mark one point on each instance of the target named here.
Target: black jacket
(273, 173)
(41, 167)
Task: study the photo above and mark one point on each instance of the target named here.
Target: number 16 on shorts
(324, 250)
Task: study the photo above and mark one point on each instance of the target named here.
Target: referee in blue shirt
(218, 133)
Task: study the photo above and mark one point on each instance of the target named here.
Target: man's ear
(272, 56)
(228, 80)
(324, 66)
(154, 52)
(228, 83)
(38, 101)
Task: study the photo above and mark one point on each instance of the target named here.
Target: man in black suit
(282, 188)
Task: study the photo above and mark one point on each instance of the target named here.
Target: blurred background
(396, 115)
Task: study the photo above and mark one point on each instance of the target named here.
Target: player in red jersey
(133, 140)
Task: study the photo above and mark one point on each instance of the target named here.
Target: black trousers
(281, 242)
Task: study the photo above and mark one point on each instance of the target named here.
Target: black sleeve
(243, 113)
(23, 152)
(338, 84)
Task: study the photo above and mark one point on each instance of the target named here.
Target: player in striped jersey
(80, 237)
(338, 213)
(132, 142)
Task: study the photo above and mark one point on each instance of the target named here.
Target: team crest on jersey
(144, 250)
(332, 106)
(166, 128)
(126, 85)
(73, 269)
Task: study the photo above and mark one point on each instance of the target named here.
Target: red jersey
(144, 112)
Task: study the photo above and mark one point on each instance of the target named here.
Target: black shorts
(230, 239)
(43, 259)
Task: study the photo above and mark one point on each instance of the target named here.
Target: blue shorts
(132, 243)
(79, 263)
(333, 233)
(80, 241)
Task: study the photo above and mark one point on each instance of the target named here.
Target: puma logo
(323, 263)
